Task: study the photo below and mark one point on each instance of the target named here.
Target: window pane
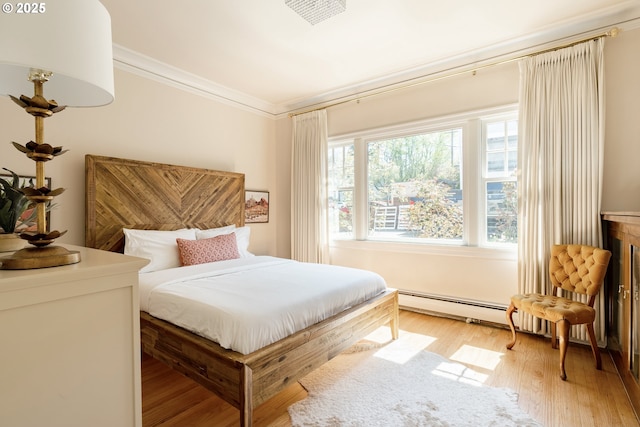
(495, 163)
(495, 136)
(513, 161)
(502, 212)
(341, 214)
(501, 142)
(341, 175)
(414, 186)
(512, 130)
(341, 160)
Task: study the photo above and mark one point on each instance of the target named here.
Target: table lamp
(62, 48)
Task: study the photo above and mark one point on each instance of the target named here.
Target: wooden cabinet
(622, 290)
(70, 348)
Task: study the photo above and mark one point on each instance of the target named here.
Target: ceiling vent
(315, 11)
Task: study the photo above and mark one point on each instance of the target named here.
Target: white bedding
(245, 304)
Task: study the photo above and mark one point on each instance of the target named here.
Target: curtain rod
(412, 82)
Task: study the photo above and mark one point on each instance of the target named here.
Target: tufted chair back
(578, 268)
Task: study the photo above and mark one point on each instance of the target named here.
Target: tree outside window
(414, 186)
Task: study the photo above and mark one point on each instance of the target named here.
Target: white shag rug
(367, 389)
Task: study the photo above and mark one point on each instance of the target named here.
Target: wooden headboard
(124, 193)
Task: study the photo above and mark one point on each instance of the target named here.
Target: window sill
(506, 253)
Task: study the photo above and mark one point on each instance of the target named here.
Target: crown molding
(150, 68)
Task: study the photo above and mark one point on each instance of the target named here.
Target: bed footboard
(246, 381)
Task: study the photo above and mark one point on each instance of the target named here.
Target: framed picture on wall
(256, 206)
(27, 220)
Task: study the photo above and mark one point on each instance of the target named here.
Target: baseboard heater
(470, 310)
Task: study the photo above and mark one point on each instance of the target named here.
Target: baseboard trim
(468, 310)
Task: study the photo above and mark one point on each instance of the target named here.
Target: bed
(126, 194)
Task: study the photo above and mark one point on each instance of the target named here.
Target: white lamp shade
(72, 39)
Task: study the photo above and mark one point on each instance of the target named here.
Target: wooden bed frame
(124, 193)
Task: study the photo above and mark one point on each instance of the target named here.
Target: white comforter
(245, 304)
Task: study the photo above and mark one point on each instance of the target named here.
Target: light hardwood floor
(588, 398)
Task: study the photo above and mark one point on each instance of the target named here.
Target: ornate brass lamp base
(49, 256)
(42, 255)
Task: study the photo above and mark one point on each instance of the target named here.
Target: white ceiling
(260, 54)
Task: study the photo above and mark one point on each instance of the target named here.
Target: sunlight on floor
(469, 355)
(477, 356)
(460, 373)
(409, 344)
(404, 348)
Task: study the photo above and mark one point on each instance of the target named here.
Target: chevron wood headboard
(123, 193)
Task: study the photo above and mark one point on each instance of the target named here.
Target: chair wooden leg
(564, 326)
(594, 346)
(554, 335)
(510, 312)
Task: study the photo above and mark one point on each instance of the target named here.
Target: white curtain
(561, 139)
(309, 221)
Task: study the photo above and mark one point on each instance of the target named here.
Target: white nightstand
(70, 343)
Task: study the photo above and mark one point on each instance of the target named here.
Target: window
(500, 138)
(414, 186)
(341, 182)
(438, 182)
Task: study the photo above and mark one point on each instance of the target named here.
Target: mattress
(248, 303)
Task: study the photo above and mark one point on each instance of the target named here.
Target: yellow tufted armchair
(574, 268)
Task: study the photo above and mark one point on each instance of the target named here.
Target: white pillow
(213, 232)
(158, 246)
(243, 236)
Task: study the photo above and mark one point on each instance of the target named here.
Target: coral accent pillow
(243, 235)
(218, 248)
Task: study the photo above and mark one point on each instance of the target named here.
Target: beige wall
(621, 187)
(485, 275)
(152, 122)
(283, 185)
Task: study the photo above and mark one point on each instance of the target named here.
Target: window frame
(473, 182)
